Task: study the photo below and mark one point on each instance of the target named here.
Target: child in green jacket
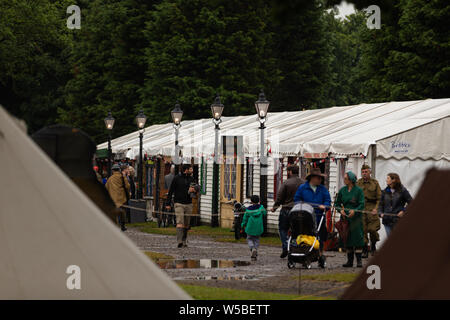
(253, 224)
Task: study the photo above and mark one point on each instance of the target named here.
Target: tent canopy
(338, 130)
(47, 225)
(431, 141)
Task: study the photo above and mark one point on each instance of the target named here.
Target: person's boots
(185, 231)
(358, 259)
(349, 263)
(365, 253)
(322, 261)
(180, 232)
(122, 222)
(284, 254)
(373, 248)
(254, 254)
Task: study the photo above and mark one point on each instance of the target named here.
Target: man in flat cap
(371, 221)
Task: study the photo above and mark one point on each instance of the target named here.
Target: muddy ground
(268, 273)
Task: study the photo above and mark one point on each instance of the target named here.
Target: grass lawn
(212, 293)
(335, 277)
(155, 256)
(219, 234)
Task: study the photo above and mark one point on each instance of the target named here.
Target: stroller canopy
(302, 219)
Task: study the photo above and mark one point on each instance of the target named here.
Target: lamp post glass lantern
(141, 119)
(109, 123)
(217, 109)
(262, 106)
(177, 114)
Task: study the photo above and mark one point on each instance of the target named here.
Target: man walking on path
(371, 221)
(119, 190)
(183, 188)
(316, 194)
(285, 198)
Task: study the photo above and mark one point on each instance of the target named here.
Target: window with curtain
(232, 150)
(229, 181)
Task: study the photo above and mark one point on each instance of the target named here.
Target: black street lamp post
(217, 109)
(177, 114)
(262, 105)
(141, 119)
(109, 123)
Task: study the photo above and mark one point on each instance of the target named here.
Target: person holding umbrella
(351, 201)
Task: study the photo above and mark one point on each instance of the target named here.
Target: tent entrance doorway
(230, 178)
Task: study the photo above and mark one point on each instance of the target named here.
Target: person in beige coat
(119, 190)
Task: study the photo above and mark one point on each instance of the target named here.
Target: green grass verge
(268, 241)
(335, 277)
(213, 293)
(218, 234)
(155, 256)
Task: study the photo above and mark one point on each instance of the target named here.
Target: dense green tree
(376, 45)
(344, 40)
(34, 50)
(200, 47)
(134, 53)
(408, 57)
(420, 68)
(303, 53)
(108, 67)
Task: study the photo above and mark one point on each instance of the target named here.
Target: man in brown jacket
(119, 190)
(285, 198)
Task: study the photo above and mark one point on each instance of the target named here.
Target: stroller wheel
(291, 264)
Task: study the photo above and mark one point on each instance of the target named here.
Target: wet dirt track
(268, 273)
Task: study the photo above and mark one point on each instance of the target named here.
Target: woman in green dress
(351, 197)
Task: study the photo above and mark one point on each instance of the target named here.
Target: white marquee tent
(47, 225)
(406, 137)
(337, 130)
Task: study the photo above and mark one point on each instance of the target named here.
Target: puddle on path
(200, 264)
(248, 277)
(237, 277)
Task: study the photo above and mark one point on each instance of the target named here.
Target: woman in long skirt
(351, 201)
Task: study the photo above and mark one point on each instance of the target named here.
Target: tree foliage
(34, 50)
(132, 54)
(200, 47)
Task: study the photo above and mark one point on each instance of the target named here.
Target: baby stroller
(302, 221)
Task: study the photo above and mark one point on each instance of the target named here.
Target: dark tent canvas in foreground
(415, 261)
(48, 226)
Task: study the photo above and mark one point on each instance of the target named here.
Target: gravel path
(268, 273)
